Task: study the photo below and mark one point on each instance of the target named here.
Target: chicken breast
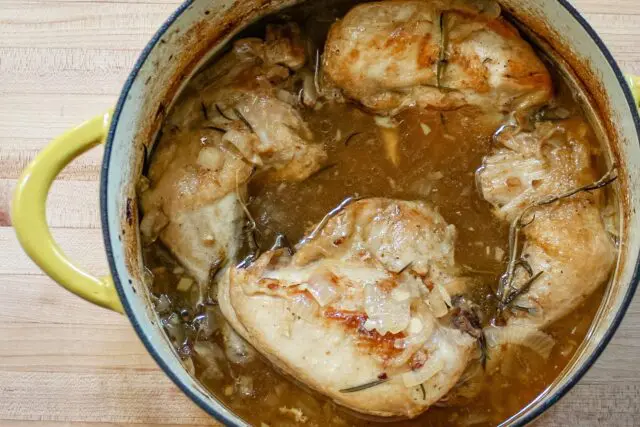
(566, 242)
(363, 300)
(235, 121)
(433, 54)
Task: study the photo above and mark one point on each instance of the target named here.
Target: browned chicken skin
(433, 54)
(363, 299)
(242, 125)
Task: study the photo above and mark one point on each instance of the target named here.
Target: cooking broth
(439, 154)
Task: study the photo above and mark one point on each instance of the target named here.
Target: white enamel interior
(137, 105)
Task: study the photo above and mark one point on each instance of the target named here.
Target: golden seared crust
(343, 311)
(393, 54)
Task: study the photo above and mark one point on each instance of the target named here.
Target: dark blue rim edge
(205, 405)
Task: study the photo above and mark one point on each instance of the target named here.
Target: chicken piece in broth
(361, 312)
(244, 124)
(391, 55)
(567, 250)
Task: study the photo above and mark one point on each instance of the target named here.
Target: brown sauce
(438, 167)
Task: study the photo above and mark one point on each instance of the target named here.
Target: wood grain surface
(65, 362)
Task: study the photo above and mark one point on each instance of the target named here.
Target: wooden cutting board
(66, 362)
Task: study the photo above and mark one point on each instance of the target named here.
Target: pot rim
(214, 407)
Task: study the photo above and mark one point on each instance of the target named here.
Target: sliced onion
(437, 301)
(322, 289)
(188, 366)
(163, 304)
(304, 307)
(385, 313)
(210, 158)
(309, 93)
(238, 351)
(244, 386)
(415, 339)
(211, 321)
(184, 284)
(524, 336)
(385, 122)
(424, 374)
(153, 223)
(212, 372)
(208, 352)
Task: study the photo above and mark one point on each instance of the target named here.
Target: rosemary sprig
(350, 137)
(205, 113)
(442, 57)
(250, 229)
(222, 113)
(365, 386)
(216, 128)
(334, 212)
(243, 119)
(484, 350)
(512, 296)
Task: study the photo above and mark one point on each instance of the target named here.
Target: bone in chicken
(363, 300)
(566, 242)
(210, 149)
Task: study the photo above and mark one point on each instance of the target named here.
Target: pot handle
(28, 213)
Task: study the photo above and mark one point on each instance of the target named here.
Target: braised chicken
(394, 304)
(566, 242)
(391, 55)
(363, 300)
(209, 150)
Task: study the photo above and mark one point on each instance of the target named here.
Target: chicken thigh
(361, 312)
(237, 122)
(433, 54)
(567, 247)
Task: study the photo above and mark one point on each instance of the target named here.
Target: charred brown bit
(383, 345)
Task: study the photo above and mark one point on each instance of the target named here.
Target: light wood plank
(140, 397)
(83, 25)
(37, 300)
(18, 153)
(84, 246)
(71, 204)
(44, 70)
